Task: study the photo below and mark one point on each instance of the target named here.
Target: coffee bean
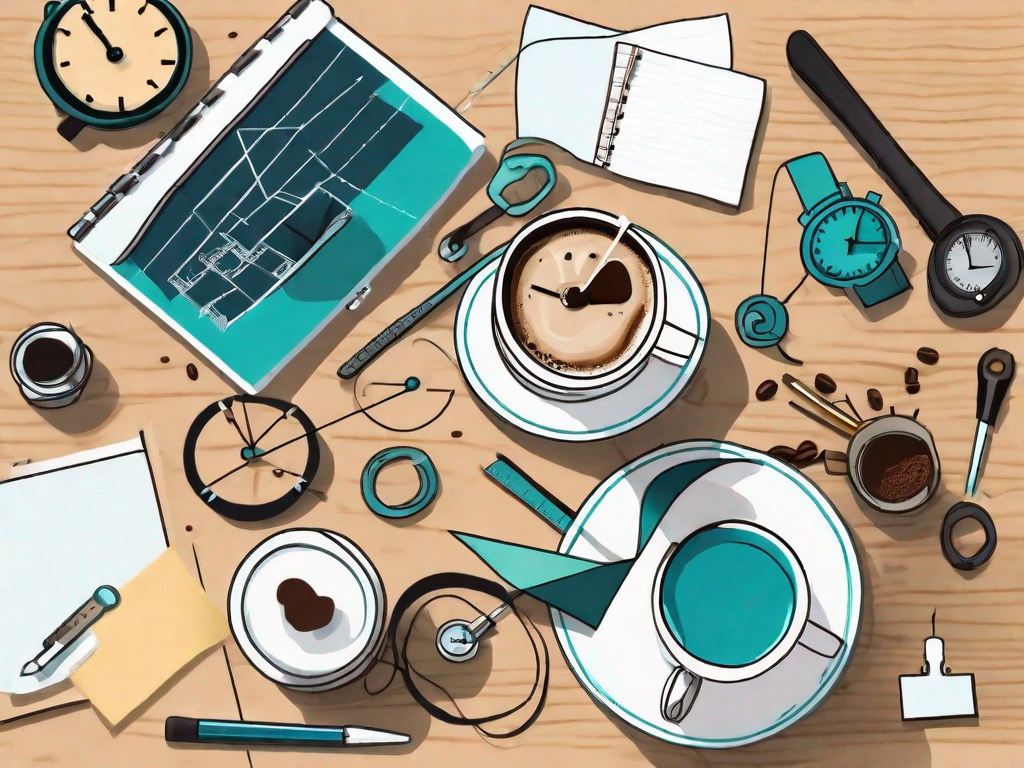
(457, 433)
(824, 384)
(927, 355)
(232, 35)
(165, 359)
(278, 473)
(806, 454)
(875, 399)
(766, 390)
(913, 388)
(910, 376)
(782, 453)
(192, 371)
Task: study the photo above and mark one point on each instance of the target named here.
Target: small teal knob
(106, 596)
(761, 321)
(412, 383)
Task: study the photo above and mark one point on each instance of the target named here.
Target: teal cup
(730, 602)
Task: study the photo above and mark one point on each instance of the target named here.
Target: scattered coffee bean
(875, 399)
(910, 376)
(278, 473)
(824, 384)
(927, 355)
(188, 527)
(192, 371)
(766, 390)
(913, 388)
(782, 453)
(806, 454)
(457, 433)
(165, 359)
(232, 35)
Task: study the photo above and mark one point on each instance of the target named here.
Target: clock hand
(967, 247)
(545, 291)
(114, 54)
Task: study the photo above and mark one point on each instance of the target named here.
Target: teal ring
(425, 469)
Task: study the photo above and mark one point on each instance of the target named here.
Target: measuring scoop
(877, 454)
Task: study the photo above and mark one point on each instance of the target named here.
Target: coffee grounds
(896, 467)
(47, 359)
(906, 479)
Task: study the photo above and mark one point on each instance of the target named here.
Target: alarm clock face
(116, 57)
(851, 240)
(973, 261)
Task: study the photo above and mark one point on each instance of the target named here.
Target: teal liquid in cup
(728, 596)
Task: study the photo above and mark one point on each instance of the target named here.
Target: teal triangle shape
(665, 489)
(525, 567)
(585, 596)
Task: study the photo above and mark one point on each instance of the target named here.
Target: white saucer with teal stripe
(623, 664)
(650, 393)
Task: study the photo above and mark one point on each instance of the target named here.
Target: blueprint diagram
(278, 186)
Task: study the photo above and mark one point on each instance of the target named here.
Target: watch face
(850, 241)
(973, 261)
(572, 330)
(117, 56)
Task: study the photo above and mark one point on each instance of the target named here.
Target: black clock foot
(70, 128)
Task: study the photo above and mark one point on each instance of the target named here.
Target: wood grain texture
(948, 81)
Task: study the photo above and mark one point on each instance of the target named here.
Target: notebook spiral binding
(626, 57)
(124, 183)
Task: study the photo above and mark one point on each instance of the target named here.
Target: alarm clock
(111, 63)
(848, 242)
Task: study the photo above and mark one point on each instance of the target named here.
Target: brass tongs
(844, 421)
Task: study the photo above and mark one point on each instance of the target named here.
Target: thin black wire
(539, 681)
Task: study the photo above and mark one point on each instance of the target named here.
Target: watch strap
(813, 179)
(891, 282)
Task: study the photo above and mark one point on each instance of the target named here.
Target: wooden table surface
(946, 78)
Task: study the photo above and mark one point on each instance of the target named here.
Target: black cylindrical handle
(181, 730)
(995, 371)
(829, 84)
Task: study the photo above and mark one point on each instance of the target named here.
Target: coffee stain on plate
(304, 609)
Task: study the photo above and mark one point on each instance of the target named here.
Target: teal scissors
(511, 170)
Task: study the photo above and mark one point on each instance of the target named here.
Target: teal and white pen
(188, 730)
(104, 599)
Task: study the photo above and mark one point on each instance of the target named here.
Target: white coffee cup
(658, 337)
(61, 387)
(684, 682)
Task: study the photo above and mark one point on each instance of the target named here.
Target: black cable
(400, 663)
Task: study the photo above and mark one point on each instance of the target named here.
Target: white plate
(623, 664)
(650, 393)
(334, 567)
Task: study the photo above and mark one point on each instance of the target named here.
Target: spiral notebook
(278, 198)
(644, 113)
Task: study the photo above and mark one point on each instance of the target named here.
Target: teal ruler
(523, 487)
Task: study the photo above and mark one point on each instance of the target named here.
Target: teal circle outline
(425, 470)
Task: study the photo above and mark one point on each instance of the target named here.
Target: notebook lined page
(687, 126)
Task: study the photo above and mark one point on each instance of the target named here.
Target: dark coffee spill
(875, 400)
(304, 609)
(47, 359)
(824, 384)
(191, 371)
(927, 355)
(896, 467)
(611, 285)
(766, 390)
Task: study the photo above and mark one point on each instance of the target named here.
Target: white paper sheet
(68, 526)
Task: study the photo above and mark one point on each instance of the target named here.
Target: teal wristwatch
(848, 242)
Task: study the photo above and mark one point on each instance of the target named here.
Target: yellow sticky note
(163, 622)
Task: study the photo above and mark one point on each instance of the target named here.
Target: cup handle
(675, 345)
(833, 461)
(680, 691)
(817, 639)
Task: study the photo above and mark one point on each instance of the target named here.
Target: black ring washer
(962, 511)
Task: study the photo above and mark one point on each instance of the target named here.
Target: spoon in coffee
(574, 297)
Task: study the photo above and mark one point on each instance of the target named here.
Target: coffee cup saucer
(653, 390)
(624, 663)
